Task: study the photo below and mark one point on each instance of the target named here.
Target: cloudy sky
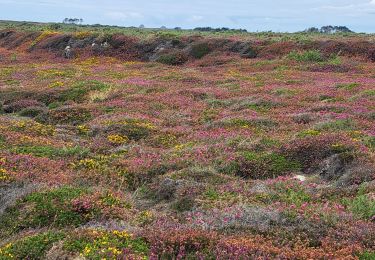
(253, 15)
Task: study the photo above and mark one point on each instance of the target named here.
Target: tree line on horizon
(328, 29)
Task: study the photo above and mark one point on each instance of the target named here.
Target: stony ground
(220, 158)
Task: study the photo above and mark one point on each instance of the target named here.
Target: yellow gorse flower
(56, 84)
(121, 234)
(5, 252)
(82, 129)
(36, 128)
(117, 139)
(4, 174)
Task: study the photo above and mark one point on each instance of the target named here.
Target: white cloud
(195, 18)
(118, 15)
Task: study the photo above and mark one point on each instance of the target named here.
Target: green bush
(296, 197)
(347, 86)
(51, 152)
(367, 256)
(362, 206)
(32, 111)
(369, 141)
(66, 115)
(174, 58)
(306, 56)
(100, 244)
(134, 129)
(80, 89)
(246, 123)
(183, 204)
(337, 125)
(51, 208)
(199, 50)
(265, 165)
(32, 247)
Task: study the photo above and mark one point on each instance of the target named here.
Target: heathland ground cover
(186, 147)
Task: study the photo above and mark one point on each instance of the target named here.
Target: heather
(186, 146)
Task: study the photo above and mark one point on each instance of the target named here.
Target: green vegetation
(80, 89)
(363, 205)
(199, 50)
(347, 86)
(51, 208)
(265, 165)
(306, 56)
(175, 58)
(51, 152)
(31, 247)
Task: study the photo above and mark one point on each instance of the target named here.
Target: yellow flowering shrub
(97, 162)
(83, 129)
(56, 84)
(145, 217)
(4, 174)
(101, 244)
(82, 35)
(41, 37)
(5, 252)
(35, 127)
(88, 164)
(117, 139)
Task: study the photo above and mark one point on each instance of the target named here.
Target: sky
(253, 15)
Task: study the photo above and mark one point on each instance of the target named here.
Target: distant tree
(163, 27)
(54, 26)
(73, 20)
(343, 29)
(141, 26)
(223, 29)
(329, 29)
(312, 30)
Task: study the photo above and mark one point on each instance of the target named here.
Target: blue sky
(253, 15)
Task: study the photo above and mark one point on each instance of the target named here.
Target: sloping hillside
(188, 147)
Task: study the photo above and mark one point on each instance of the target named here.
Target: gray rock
(260, 188)
(168, 188)
(356, 174)
(332, 168)
(11, 193)
(239, 217)
(303, 118)
(68, 52)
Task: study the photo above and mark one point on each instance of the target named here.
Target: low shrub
(80, 89)
(311, 150)
(347, 86)
(46, 208)
(199, 50)
(363, 205)
(31, 247)
(183, 204)
(134, 129)
(306, 56)
(50, 151)
(66, 115)
(100, 244)
(173, 58)
(32, 111)
(19, 105)
(265, 165)
(367, 256)
(337, 125)
(180, 244)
